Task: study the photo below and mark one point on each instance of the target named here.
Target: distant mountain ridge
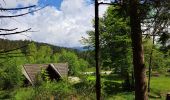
(80, 48)
(12, 44)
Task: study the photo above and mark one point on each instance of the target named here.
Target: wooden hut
(54, 71)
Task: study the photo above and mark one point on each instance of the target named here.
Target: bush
(58, 90)
(85, 89)
(5, 95)
(24, 94)
(11, 77)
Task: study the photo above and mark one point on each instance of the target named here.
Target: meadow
(112, 88)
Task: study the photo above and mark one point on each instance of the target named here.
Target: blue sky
(55, 3)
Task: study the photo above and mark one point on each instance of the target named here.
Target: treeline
(13, 44)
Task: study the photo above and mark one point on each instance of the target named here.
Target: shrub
(59, 90)
(24, 94)
(85, 89)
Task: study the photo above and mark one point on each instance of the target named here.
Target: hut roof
(31, 70)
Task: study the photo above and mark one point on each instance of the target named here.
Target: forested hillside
(22, 44)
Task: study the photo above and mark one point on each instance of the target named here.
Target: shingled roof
(31, 70)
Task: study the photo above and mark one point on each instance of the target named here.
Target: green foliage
(158, 58)
(31, 53)
(85, 89)
(115, 43)
(72, 60)
(5, 94)
(76, 65)
(167, 59)
(24, 93)
(44, 54)
(55, 57)
(83, 65)
(10, 71)
(42, 77)
(11, 77)
(59, 90)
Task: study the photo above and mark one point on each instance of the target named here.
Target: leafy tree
(158, 57)
(44, 54)
(114, 41)
(55, 57)
(83, 65)
(10, 71)
(76, 65)
(72, 59)
(31, 53)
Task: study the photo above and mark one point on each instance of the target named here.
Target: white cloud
(102, 9)
(64, 27)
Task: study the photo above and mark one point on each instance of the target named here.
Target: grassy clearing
(111, 87)
(160, 86)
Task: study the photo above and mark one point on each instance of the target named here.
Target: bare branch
(151, 34)
(2, 29)
(16, 32)
(11, 16)
(5, 9)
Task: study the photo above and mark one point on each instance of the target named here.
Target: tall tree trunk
(98, 85)
(138, 52)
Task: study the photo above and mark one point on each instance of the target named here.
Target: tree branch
(11, 16)
(2, 29)
(16, 32)
(5, 9)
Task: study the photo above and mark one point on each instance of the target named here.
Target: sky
(61, 23)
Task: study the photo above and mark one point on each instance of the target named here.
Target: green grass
(122, 96)
(91, 69)
(160, 86)
(91, 78)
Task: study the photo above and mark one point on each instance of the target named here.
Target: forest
(133, 58)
